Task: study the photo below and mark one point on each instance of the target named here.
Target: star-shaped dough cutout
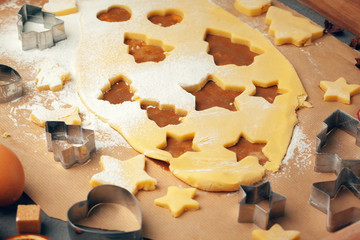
(276, 232)
(69, 115)
(129, 174)
(288, 28)
(51, 76)
(339, 90)
(252, 7)
(178, 200)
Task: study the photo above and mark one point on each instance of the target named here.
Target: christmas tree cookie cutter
(251, 211)
(78, 145)
(331, 162)
(10, 84)
(101, 195)
(44, 39)
(323, 192)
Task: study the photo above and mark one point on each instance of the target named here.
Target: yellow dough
(68, 115)
(102, 58)
(276, 232)
(178, 200)
(288, 28)
(339, 90)
(129, 174)
(60, 7)
(51, 76)
(252, 7)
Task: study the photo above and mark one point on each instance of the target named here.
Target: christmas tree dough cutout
(339, 90)
(287, 28)
(276, 232)
(128, 174)
(178, 200)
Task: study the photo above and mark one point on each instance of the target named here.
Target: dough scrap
(252, 7)
(61, 7)
(129, 174)
(287, 28)
(69, 115)
(102, 59)
(51, 76)
(339, 90)
(276, 232)
(178, 200)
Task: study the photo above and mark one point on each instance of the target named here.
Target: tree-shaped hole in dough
(166, 18)
(146, 50)
(115, 14)
(226, 50)
(119, 92)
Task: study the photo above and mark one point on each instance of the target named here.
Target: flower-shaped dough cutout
(61, 8)
(339, 90)
(276, 232)
(69, 115)
(178, 200)
(287, 28)
(252, 7)
(129, 174)
(51, 76)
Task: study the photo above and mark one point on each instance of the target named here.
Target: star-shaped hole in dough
(288, 28)
(178, 200)
(129, 174)
(276, 232)
(339, 90)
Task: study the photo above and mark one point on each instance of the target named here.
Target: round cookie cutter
(100, 195)
(10, 84)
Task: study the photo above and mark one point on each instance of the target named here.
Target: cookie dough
(178, 200)
(51, 76)
(103, 58)
(276, 232)
(69, 115)
(252, 7)
(339, 90)
(287, 28)
(61, 7)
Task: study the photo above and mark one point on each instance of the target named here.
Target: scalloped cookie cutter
(44, 39)
(80, 142)
(11, 86)
(331, 162)
(251, 211)
(100, 195)
(323, 192)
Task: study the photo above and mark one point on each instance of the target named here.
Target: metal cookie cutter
(100, 195)
(10, 84)
(80, 143)
(331, 162)
(323, 192)
(251, 211)
(41, 40)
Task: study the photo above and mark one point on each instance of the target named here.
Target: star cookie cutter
(251, 211)
(331, 162)
(100, 195)
(78, 145)
(323, 192)
(11, 86)
(44, 39)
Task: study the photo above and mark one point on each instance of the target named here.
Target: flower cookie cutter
(100, 195)
(78, 145)
(10, 84)
(251, 211)
(44, 39)
(323, 192)
(331, 162)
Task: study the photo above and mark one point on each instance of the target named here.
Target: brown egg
(12, 178)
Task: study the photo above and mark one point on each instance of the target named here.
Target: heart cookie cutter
(11, 86)
(323, 192)
(80, 142)
(100, 195)
(44, 39)
(331, 162)
(251, 211)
